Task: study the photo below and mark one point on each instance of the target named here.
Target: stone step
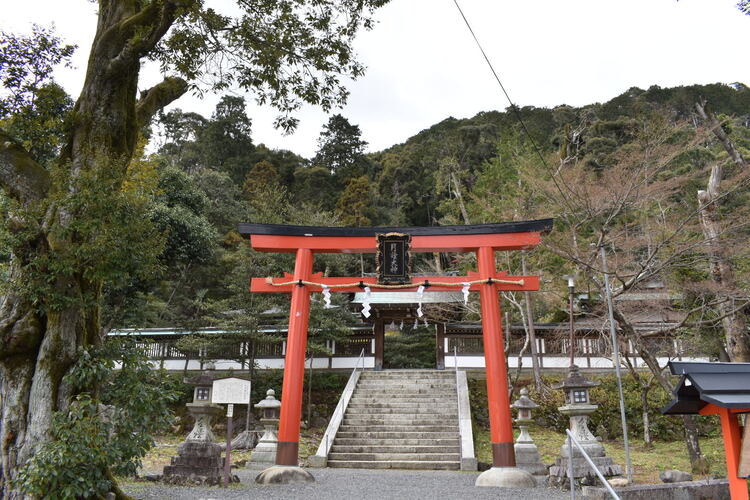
(421, 399)
(415, 378)
(400, 449)
(382, 375)
(344, 427)
(408, 457)
(369, 392)
(436, 406)
(422, 440)
(396, 371)
(390, 434)
(441, 411)
(406, 383)
(402, 464)
(401, 413)
(392, 419)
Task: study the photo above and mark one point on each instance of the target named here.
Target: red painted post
(730, 428)
(501, 428)
(287, 452)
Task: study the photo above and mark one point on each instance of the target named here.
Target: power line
(512, 106)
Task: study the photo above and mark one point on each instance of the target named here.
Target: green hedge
(605, 421)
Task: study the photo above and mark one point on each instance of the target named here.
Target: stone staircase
(400, 419)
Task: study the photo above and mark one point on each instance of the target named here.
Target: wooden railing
(594, 346)
(464, 345)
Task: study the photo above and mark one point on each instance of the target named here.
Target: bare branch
(718, 131)
(21, 176)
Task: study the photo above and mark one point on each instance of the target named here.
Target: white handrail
(455, 358)
(572, 441)
(333, 425)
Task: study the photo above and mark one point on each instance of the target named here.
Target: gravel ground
(345, 484)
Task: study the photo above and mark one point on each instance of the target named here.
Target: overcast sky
(423, 65)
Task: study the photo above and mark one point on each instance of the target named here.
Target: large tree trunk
(733, 321)
(40, 339)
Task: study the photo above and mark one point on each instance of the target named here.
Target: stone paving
(345, 484)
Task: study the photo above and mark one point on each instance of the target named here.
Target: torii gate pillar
(291, 393)
(501, 427)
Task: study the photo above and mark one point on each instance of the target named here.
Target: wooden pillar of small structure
(730, 429)
(439, 346)
(379, 331)
(501, 427)
(294, 363)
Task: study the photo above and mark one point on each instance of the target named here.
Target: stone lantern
(265, 452)
(578, 408)
(527, 454)
(199, 457)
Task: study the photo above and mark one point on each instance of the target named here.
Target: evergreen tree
(341, 149)
(355, 202)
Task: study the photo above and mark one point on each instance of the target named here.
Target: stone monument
(527, 454)
(199, 458)
(264, 453)
(578, 408)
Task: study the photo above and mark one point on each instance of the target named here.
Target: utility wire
(512, 106)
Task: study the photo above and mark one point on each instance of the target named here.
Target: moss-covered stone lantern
(199, 456)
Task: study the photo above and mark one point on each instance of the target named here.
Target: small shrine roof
(726, 385)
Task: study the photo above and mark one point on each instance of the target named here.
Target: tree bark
(40, 341)
(715, 125)
(646, 424)
(734, 322)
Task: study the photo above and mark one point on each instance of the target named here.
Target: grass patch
(166, 448)
(647, 462)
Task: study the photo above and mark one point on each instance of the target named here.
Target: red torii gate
(305, 241)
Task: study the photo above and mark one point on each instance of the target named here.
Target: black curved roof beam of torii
(502, 235)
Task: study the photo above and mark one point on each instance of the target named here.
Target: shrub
(108, 427)
(606, 419)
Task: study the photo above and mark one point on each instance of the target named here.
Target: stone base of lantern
(528, 459)
(264, 453)
(582, 471)
(197, 462)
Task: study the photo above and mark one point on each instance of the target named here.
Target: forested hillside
(624, 173)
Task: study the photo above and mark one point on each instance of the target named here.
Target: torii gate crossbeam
(482, 239)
